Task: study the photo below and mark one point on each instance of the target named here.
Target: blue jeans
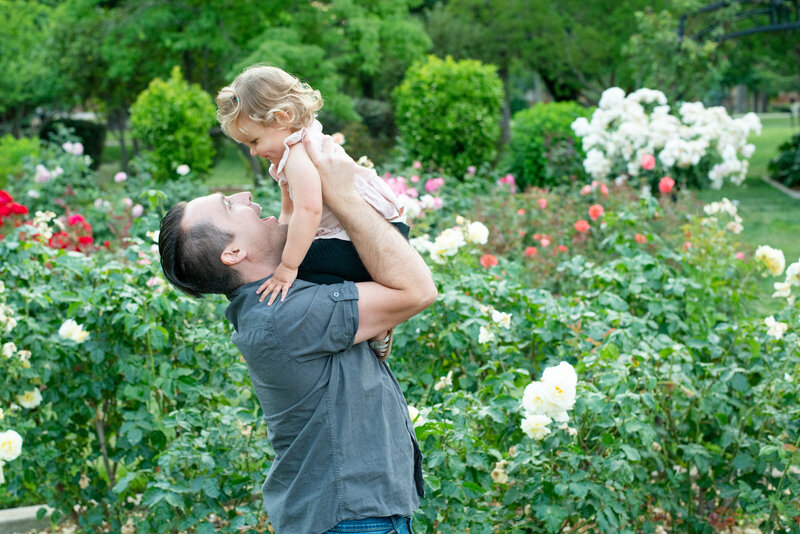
(397, 524)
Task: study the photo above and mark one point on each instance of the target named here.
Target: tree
(498, 32)
(27, 79)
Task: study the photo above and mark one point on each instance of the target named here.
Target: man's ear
(232, 255)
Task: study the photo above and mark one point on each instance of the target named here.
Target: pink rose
(137, 210)
(520, 212)
(666, 184)
(604, 190)
(585, 190)
(531, 251)
(471, 170)
(542, 203)
(648, 162)
(640, 239)
(120, 177)
(740, 256)
(544, 241)
(414, 179)
(437, 203)
(418, 164)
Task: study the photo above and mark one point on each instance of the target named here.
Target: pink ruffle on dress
(369, 185)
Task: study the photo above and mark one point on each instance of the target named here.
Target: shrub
(91, 135)
(12, 153)
(173, 119)
(639, 136)
(543, 149)
(448, 113)
(785, 167)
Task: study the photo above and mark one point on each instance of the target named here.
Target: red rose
(582, 226)
(487, 260)
(596, 211)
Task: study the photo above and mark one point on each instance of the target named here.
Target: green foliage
(785, 167)
(448, 113)
(682, 417)
(544, 151)
(282, 48)
(687, 414)
(91, 134)
(12, 153)
(27, 79)
(172, 119)
(683, 69)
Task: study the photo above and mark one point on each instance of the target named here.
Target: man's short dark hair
(191, 258)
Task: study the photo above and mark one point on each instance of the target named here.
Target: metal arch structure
(779, 15)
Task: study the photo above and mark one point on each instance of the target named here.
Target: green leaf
(743, 462)
(122, 484)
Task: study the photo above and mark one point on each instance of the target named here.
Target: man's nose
(243, 197)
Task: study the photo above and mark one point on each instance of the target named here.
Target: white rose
(416, 417)
(782, 289)
(558, 389)
(532, 400)
(9, 349)
(793, 274)
(183, 169)
(444, 382)
(734, 227)
(535, 426)
(502, 319)
(447, 243)
(775, 329)
(772, 258)
(477, 233)
(72, 330)
(30, 399)
(10, 445)
(485, 335)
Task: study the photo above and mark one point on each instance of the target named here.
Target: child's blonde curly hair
(268, 96)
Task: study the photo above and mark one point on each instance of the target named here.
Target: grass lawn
(770, 217)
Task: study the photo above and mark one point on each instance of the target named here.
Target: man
(344, 445)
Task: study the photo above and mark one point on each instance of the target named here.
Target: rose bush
(598, 360)
(699, 146)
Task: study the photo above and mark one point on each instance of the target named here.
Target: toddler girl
(271, 111)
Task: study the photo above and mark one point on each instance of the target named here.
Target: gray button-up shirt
(336, 417)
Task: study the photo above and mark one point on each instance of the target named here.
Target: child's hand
(282, 279)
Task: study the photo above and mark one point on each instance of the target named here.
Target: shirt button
(335, 293)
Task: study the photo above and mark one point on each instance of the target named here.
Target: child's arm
(287, 206)
(306, 214)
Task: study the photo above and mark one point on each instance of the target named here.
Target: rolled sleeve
(319, 320)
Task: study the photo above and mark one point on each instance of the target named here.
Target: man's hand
(282, 279)
(336, 169)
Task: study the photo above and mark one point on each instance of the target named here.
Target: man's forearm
(388, 257)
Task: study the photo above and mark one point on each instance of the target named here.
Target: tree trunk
(505, 123)
(118, 118)
(255, 165)
(16, 124)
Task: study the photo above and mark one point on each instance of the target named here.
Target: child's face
(264, 141)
